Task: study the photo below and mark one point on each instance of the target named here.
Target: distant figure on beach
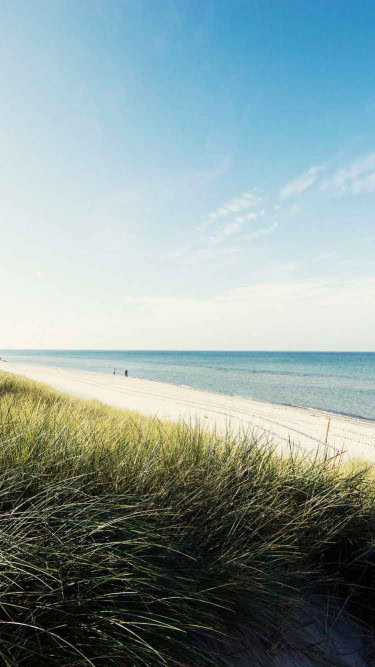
(126, 374)
(114, 371)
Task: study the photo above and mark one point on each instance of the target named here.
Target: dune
(319, 632)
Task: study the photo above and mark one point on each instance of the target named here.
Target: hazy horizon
(177, 349)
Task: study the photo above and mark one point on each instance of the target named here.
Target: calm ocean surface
(335, 381)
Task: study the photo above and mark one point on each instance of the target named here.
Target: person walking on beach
(114, 371)
(126, 374)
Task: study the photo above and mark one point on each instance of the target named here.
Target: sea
(341, 382)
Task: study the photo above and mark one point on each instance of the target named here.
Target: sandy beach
(279, 424)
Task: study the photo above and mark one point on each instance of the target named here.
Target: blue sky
(180, 174)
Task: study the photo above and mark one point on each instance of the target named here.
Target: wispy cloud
(237, 222)
(251, 216)
(288, 211)
(227, 230)
(233, 227)
(263, 231)
(246, 200)
(292, 314)
(224, 224)
(211, 250)
(302, 183)
(236, 205)
(357, 178)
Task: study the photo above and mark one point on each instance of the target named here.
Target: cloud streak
(235, 205)
(246, 200)
(233, 227)
(358, 178)
(263, 231)
(302, 183)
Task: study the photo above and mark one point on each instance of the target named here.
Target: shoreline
(283, 426)
(327, 412)
(336, 413)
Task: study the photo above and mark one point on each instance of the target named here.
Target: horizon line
(82, 349)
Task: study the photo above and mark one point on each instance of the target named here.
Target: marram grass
(129, 541)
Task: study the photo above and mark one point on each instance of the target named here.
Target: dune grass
(130, 541)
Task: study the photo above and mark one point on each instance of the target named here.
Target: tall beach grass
(129, 541)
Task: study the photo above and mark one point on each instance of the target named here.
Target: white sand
(306, 428)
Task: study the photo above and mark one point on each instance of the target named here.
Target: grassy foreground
(128, 541)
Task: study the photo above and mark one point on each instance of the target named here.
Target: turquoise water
(334, 381)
